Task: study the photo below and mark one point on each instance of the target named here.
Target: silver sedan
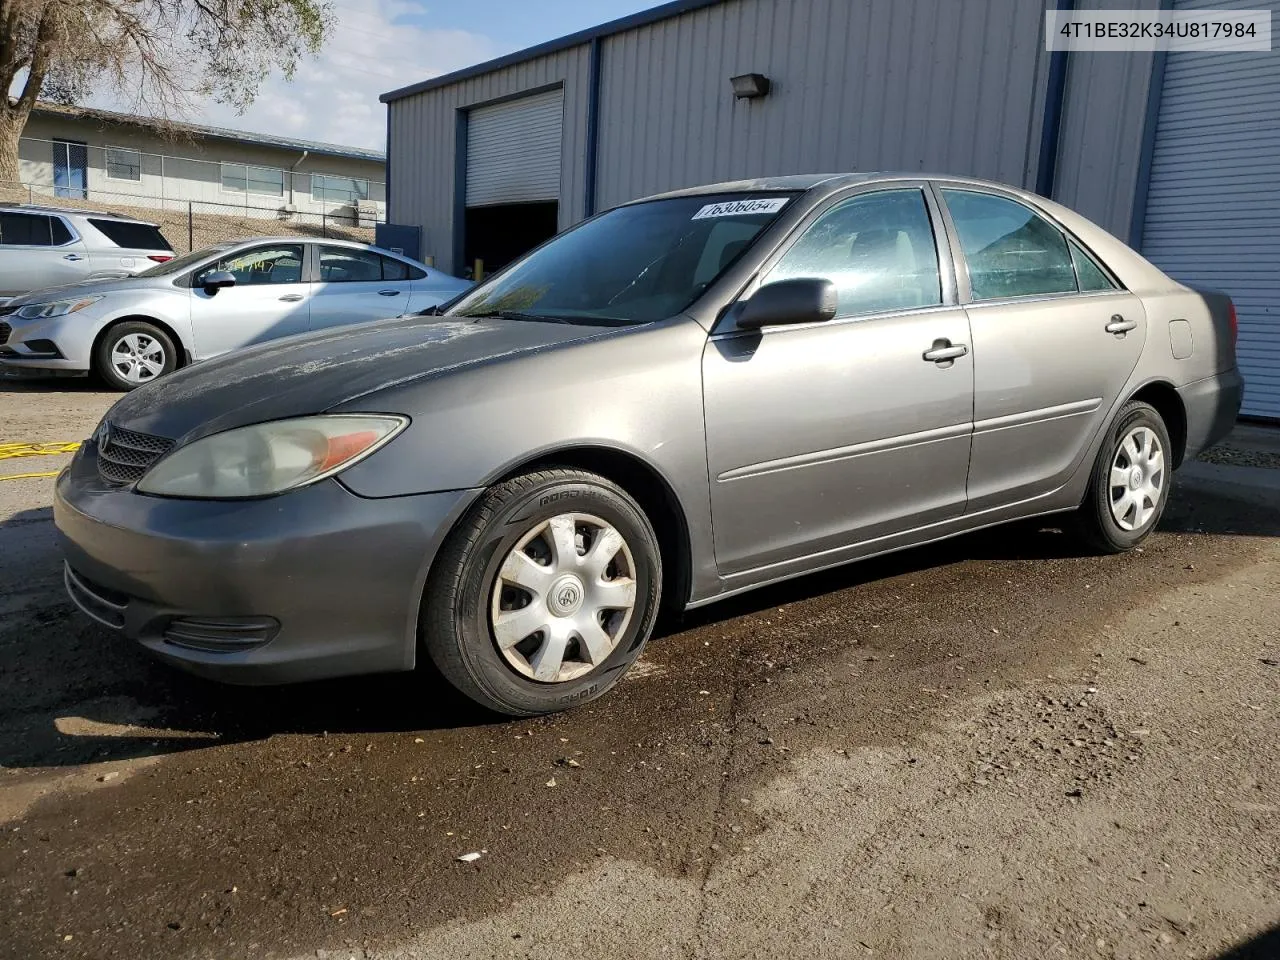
(678, 400)
(131, 331)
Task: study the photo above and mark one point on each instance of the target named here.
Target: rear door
(270, 299)
(38, 250)
(1055, 341)
(827, 435)
(354, 285)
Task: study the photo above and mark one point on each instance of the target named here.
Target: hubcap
(1137, 479)
(138, 357)
(563, 598)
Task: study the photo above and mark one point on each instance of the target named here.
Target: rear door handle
(944, 351)
(388, 293)
(1119, 324)
(73, 257)
(291, 297)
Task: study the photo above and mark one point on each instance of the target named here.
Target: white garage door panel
(1213, 207)
(513, 150)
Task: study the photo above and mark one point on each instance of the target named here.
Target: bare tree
(157, 56)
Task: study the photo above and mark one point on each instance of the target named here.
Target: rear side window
(137, 236)
(26, 230)
(1011, 251)
(1088, 275)
(877, 248)
(59, 231)
(399, 270)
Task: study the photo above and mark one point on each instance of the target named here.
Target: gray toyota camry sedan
(680, 399)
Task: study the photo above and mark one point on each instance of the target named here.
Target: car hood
(313, 372)
(88, 288)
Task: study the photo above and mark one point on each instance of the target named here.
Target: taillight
(160, 257)
(1235, 323)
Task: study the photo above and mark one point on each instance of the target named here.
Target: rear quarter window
(136, 236)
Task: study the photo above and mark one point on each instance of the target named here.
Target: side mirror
(215, 280)
(803, 300)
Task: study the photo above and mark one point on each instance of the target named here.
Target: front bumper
(1212, 406)
(314, 583)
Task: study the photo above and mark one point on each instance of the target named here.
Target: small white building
(113, 158)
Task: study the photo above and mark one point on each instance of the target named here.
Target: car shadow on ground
(67, 384)
(1265, 946)
(77, 693)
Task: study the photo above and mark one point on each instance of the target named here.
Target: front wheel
(133, 353)
(545, 593)
(1130, 483)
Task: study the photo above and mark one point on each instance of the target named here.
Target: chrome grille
(5, 330)
(127, 455)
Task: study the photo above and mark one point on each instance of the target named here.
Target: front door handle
(1119, 324)
(73, 257)
(388, 293)
(291, 297)
(944, 351)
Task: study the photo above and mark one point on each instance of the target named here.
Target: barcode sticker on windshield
(734, 207)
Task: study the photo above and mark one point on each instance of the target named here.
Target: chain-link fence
(193, 224)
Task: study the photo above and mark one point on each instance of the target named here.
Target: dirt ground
(997, 747)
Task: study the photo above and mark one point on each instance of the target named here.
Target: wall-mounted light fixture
(749, 86)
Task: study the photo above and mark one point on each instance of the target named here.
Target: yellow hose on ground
(9, 451)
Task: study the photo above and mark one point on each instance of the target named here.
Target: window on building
(338, 189)
(124, 164)
(1010, 250)
(243, 178)
(878, 250)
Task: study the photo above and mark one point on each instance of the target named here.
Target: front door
(269, 300)
(1055, 340)
(827, 435)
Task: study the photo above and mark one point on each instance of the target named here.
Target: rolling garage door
(513, 151)
(1213, 206)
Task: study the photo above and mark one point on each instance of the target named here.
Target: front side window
(25, 230)
(261, 265)
(338, 189)
(634, 264)
(878, 249)
(124, 164)
(242, 178)
(1011, 251)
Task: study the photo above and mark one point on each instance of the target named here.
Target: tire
(473, 627)
(1114, 518)
(152, 352)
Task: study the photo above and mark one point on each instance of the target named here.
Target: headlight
(270, 458)
(55, 308)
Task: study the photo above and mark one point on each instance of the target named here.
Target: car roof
(807, 181)
(301, 238)
(70, 212)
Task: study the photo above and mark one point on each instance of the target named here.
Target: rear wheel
(133, 353)
(545, 593)
(1130, 484)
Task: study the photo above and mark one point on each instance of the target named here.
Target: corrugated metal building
(1179, 154)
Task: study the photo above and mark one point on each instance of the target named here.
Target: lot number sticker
(734, 207)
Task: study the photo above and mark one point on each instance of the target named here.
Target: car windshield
(178, 264)
(634, 264)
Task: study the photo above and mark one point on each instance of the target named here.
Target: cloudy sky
(379, 45)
